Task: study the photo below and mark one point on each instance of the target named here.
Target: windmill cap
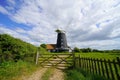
(60, 31)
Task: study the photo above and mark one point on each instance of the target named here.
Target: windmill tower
(61, 44)
(61, 41)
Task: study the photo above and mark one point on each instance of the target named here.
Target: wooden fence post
(103, 72)
(79, 61)
(87, 60)
(116, 69)
(83, 62)
(90, 65)
(118, 61)
(95, 66)
(106, 69)
(37, 56)
(73, 59)
(98, 64)
(111, 70)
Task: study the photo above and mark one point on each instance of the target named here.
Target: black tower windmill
(61, 41)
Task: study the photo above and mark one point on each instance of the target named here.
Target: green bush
(13, 49)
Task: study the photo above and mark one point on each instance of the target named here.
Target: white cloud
(15, 33)
(11, 2)
(98, 44)
(83, 20)
(20, 30)
(3, 10)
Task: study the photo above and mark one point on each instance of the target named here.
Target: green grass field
(99, 55)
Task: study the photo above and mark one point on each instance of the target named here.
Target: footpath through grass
(14, 70)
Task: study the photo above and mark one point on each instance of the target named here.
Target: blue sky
(88, 23)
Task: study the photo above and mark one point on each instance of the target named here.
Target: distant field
(99, 55)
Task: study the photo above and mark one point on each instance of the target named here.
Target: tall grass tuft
(12, 70)
(79, 74)
(47, 74)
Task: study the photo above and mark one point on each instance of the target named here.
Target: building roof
(51, 46)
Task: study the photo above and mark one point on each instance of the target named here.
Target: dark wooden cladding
(110, 69)
(61, 38)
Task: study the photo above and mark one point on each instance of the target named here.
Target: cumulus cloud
(3, 10)
(17, 33)
(104, 44)
(85, 21)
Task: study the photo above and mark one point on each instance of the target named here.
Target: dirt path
(36, 75)
(57, 75)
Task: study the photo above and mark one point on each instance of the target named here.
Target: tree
(89, 50)
(86, 50)
(43, 46)
(76, 49)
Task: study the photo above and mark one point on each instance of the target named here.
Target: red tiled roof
(51, 46)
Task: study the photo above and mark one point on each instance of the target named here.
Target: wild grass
(79, 74)
(13, 70)
(47, 74)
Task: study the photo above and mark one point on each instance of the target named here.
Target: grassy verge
(14, 70)
(78, 74)
(47, 74)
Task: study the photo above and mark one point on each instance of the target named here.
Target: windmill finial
(59, 31)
